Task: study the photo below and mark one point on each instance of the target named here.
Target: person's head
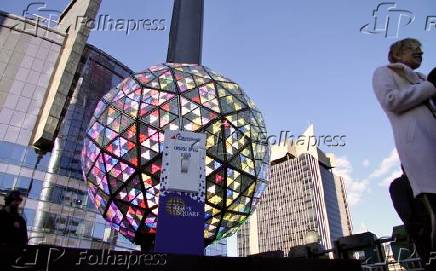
(13, 199)
(407, 51)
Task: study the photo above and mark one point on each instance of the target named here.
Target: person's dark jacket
(13, 229)
(414, 215)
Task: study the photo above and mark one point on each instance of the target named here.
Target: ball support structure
(122, 157)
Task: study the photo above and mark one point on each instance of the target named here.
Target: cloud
(387, 181)
(365, 163)
(362, 228)
(386, 165)
(355, 188)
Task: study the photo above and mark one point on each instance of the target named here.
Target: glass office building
(304, 203)
(57, 208)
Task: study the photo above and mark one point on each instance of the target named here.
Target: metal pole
(186, 32)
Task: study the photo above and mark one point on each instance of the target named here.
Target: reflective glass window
(30, 158)
(36, 189)
(43, 164)
(55, 194)
(98, 231)
(48, 222)
(6, 182)
(73, 224)
(89, 204)
(22, 184)
(85, 228)
(29, 216)
(11, 152)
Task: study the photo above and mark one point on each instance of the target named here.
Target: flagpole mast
(186, 32)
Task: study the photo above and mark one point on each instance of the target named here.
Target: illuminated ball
(122, 157)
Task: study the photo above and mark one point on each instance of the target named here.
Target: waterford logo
(388, 20)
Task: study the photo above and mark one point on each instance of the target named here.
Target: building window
(22, 184)
(35, 192)
(6, 182)
(29, 216)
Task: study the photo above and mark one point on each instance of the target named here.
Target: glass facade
(57, 208)
(293, 206)
(335, 201)
(304, 203)
(244, 239)
(122, 158)
(218, 248)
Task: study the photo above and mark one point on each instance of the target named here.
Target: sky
(302, 62)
